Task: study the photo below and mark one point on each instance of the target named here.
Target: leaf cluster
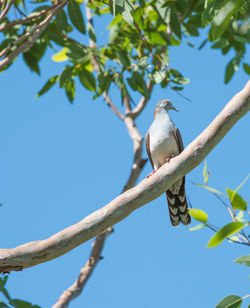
(140, 35)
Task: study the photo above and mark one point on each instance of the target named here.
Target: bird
(163, 142)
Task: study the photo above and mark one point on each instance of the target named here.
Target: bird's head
(165, 104)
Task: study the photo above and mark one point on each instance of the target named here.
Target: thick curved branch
(36, 252)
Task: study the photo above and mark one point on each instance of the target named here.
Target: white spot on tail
(174, 210)
(181, 198)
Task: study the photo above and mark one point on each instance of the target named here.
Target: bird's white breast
(162, 142)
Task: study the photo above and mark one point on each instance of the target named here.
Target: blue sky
(60, 162)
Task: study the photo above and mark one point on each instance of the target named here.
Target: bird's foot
(169, 158)
(149, 175)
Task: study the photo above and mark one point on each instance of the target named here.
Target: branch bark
(86, 271)
(32, 36)
(6, 10)
(36, 252)
(137, 166)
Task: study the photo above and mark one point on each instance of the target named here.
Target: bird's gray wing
(178, 139)
(147, 140)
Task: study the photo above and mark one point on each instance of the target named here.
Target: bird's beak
(175, 109)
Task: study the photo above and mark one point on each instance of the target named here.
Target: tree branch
(31, 35)
(36, 252)
(75, 290)
(137, 166)
(6, 10)
(143, 102)
(92, 44)
(27, 19)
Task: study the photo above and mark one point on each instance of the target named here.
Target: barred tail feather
(178, 209)
(173, 209)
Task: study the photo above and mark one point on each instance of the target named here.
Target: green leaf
(222, 19)
(31, 61)
(48, 85)
(123, 58)
(113, 33)
(221, 43)
(128, 6)
(158, 76)
(236, 200)
(211, 189)
(65, 75)
(177, 88)
(76, 52)
(116, 20)
(87, 80)
(240, 216)
(230, 69)
(225, 232)
(3, 281)
(3, 305)
(175, 24)
(61, 21)
(246, 68)
(175, 73)
(91, 32)
(205, 172)
(198, 215)
(157, 38)
(230, 301)
(132, 82)
(17, 303)
(137, 82)
(76, 16)
(142, 63)
(104, 81)
(244, 260)
(197, 227)
(180, 80)
(70, 90)
(60, 56)
(241, 184)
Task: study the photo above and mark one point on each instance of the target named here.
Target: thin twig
(241, 234)
(27, 19)
(143, 102)
(92, 44)
(32, 35)
(137, 166)
(6, 10)
(21, 13)
(215, 229)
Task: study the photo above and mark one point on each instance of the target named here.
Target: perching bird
(163, 141)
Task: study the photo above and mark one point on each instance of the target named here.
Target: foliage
(235, 205)
(233, 231)
(139, 36)
(17, 303)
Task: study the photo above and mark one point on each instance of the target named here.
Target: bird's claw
(169, 158)
(149, 175)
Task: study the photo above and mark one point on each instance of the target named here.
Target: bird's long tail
(178, 208)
